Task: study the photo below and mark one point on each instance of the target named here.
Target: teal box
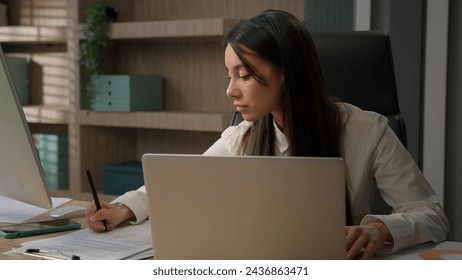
(122, 177)
(124, 93)
(53, 153)
(19, 69)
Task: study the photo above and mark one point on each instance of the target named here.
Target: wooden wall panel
(124, 7)
(37, 12)
(194, 73)
(176, 142)
(103, 145)
(186, 9)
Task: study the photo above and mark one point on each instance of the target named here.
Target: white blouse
(373, 155)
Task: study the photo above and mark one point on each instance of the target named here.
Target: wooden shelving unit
(33, 34)
(46, 114)
(186, 121)
(179, 40)
(173, 29)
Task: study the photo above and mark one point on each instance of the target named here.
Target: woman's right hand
(113, 215)
(366, 239)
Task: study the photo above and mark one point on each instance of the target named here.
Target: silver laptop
(231, 208)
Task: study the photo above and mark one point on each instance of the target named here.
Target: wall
(453, 174)
(330, 15)
(403, 20)
(434, 94)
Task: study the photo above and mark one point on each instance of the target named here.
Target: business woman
(276, 82)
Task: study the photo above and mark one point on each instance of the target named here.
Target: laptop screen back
(204, 207)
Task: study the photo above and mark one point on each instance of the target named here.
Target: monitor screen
(21, 174)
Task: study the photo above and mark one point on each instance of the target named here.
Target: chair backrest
(358, 69)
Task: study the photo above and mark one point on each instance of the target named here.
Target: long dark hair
(312, 122)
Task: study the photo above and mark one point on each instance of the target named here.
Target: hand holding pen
(110, 215)
(95, 196)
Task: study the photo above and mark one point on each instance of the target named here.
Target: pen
(39, 252)
(95, 195)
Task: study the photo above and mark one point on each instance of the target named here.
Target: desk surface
(448, 249)
(7, 244)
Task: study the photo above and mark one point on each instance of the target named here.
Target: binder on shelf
(126, 93)
(122, 177)
(53, 153)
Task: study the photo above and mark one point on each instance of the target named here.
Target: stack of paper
(126, 242)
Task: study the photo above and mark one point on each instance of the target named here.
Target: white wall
(434, 88)
(362, 15)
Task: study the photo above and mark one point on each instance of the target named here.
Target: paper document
(14, 211)
(125, 242)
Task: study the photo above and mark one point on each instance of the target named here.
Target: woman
(276, 83)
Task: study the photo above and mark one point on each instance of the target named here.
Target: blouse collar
(281, 140)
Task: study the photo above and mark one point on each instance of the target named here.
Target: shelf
(186, 121)
(164, 29)
(175, 39)
(46, 114)
(32, 34)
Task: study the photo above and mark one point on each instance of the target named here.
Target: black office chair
(358, 68)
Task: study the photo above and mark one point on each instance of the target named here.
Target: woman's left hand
(366, 239)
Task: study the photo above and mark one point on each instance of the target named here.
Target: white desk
(448, 250)
(7, 244)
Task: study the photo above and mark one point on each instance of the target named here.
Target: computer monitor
(21, 174)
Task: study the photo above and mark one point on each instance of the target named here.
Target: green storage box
(122, 177)
(53, 153)
(19, 69)
(124, 93)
